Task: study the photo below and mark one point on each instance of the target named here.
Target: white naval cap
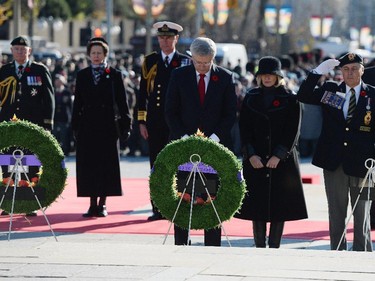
(167, 28)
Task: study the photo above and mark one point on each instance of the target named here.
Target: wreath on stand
(27, 135)
(163, 187)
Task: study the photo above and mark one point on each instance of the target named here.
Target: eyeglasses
(202, 63)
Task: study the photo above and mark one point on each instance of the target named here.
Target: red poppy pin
(363, 93)
(27, 69)
(108, 71)
(214, 78)
(276, 103)
(174, 63)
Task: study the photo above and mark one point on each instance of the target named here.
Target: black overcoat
(98, 169)
(270, 127)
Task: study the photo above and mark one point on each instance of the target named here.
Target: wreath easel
(163, 182)
(26, 135)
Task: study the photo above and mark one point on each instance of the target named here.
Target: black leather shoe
(92, 212)
(4, 213)
(155, 217)
(32, 214)
(102, 211)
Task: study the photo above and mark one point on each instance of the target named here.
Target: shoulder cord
(149, 76)
(6, 85)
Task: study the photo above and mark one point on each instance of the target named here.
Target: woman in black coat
(269, 128)
(93, 124)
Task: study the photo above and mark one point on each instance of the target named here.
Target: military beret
(350, 58)
(167, 28)
(20, 40)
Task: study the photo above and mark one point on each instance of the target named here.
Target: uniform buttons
(158, 92)
(267, 156)
(17, 108)
(159, 85)
(345, 144)
(18, 99)
(267, 175)
(158, 98)
(346, 129)
(158, 104)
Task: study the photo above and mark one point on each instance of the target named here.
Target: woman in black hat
(99, 96)
(269, 127)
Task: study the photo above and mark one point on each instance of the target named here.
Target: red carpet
(128, 214)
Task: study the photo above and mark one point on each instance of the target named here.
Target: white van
(229, 55)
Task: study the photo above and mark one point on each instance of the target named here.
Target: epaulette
(151, 54)
(151, 59)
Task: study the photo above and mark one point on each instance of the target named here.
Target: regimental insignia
(351, 56)
(22, 41)
(165, 28)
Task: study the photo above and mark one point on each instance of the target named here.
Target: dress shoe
(32, 214)
(102, 211)
(92, 212)
(155, 217)
(4, 213)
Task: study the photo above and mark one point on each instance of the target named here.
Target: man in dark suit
(30, 95)
(345, 143)
(201, 96)
(156, 71)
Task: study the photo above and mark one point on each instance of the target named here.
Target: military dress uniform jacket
(185, 114)
(30, 97)
(342, 143)
(153, 87)
(269, 126)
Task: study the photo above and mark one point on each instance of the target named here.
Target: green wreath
(163, 182)
(26, 135)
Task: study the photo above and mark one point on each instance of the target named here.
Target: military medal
(367, 118)
(33, 92)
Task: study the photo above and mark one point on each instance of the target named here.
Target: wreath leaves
(163, 182)
(27, 135)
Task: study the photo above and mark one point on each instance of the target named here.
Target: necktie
(201, 88)
(352, 104)
(166, 61)
(20, 71)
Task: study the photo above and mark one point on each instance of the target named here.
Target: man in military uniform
(26, 91)
(156, 71)
(345, 143)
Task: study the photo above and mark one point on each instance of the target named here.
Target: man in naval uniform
(26, 92)
(156, 71)
(345, 143)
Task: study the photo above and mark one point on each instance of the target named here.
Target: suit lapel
(213, 84)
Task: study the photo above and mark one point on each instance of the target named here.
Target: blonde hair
(280, 81)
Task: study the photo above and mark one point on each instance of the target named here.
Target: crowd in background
(64, 71)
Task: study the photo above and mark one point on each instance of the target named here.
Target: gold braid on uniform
(149, 76)
(6, 86)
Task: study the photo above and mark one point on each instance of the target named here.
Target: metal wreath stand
(193, 172)
(16, 171)
(369, 179)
